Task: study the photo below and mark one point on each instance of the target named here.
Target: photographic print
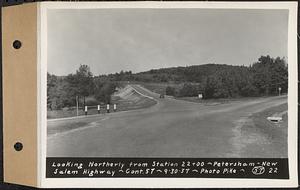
(168, 92)
(167, 83)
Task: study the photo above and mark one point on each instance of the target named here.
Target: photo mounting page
(186, 94)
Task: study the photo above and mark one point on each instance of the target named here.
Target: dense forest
(262, 78)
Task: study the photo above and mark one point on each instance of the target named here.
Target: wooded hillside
(262, 78)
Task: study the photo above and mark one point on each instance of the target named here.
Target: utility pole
(77, 105)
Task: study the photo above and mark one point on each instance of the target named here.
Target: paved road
(171, 128)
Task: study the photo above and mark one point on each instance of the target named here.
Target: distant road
(171, 128)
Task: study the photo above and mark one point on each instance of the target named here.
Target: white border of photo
(168, 182)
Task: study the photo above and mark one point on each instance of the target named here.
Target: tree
(81, 84)
(57, 93)
(85, 80)
(269, 74)
(51, 83)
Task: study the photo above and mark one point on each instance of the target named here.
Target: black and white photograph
(171, 91)
(167, 83)
(150, 94)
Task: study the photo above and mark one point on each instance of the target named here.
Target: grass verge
(273, 130)
(67, 126)
(275, 135)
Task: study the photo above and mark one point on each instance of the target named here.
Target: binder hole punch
(17, 44)
(18, 146)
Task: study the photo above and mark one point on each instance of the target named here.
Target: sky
(111, 40)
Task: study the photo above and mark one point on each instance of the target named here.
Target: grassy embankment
(129, 101)
(272, 129)
(125, 99)
(276, 134)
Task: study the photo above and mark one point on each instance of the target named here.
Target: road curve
(171, 128)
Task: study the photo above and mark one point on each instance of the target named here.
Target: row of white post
(98, 108)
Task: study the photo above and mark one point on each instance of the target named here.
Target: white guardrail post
(85, 110)
(107, 108)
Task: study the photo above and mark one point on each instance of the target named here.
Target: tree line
(67, 91)
(262, 78)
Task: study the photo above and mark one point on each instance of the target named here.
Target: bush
(249, 90)
(104, 92)
(188, 90)
(91, 102)
(170, 91)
